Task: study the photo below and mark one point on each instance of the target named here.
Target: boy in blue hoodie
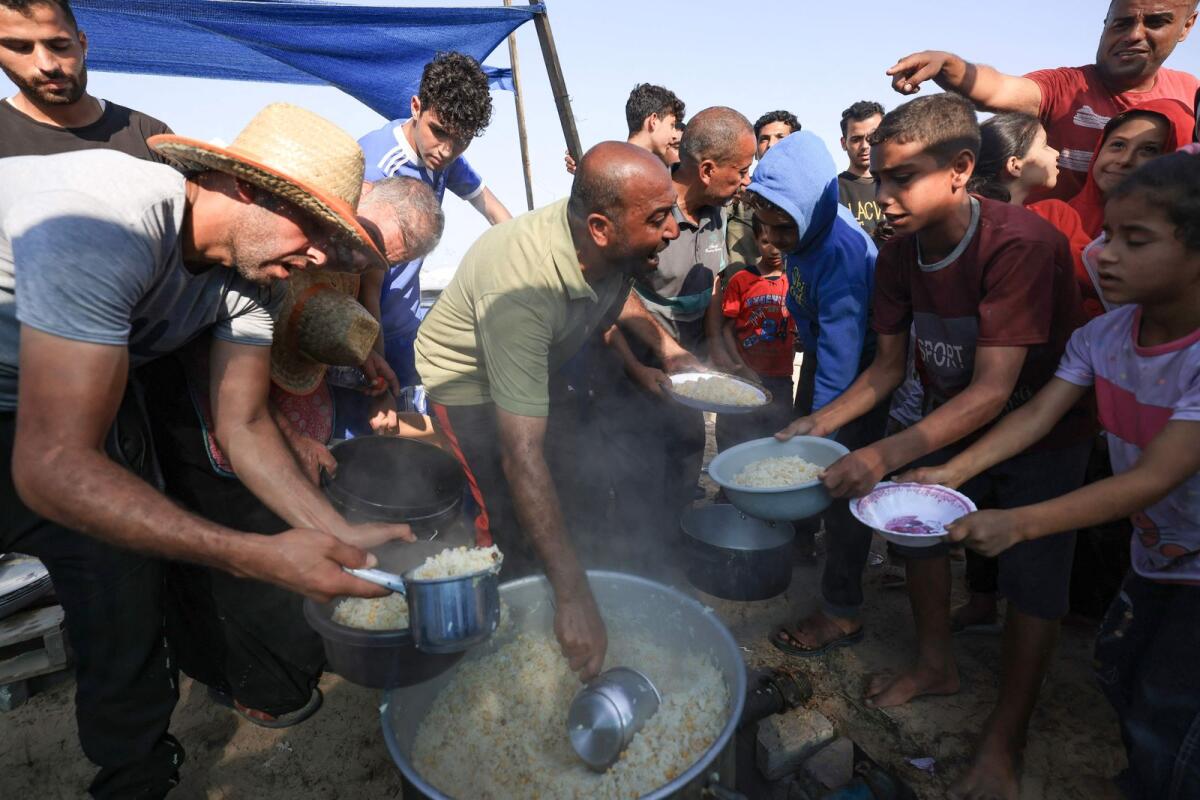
(830, 266)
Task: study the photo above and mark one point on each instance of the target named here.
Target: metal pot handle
(714, 790)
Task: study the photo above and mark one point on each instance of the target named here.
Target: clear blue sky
(812, 58)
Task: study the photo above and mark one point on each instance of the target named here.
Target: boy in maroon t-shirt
(760, 332)
(989, 289)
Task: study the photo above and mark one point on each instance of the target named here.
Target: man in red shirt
(1075, 103)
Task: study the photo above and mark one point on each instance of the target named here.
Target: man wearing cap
(106, 263)
(524, 300)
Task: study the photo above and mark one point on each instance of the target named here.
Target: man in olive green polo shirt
(525, 298)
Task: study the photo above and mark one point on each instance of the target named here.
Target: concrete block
(833, 765)
(13, 695)
(785, 740)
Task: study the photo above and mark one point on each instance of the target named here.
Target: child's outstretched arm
(1172, 457)
(720, 353)
(996, 373)
(1012, 435)
(870, 389)
(738, 363)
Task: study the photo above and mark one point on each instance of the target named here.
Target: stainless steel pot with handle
(669, 616)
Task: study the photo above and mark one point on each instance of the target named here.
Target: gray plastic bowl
(798, 501)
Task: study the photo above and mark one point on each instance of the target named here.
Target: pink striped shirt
(1138, 391)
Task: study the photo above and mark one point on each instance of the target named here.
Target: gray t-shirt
(686, 271)
(90, 250)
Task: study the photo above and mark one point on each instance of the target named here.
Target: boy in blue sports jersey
(451, 107)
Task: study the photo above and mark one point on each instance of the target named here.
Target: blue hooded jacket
(832, 270)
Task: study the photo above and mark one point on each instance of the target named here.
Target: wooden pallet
(32, 643)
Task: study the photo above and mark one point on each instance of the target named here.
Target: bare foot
(980, 609)
(992, 776)
(817, 630)
(887, 690)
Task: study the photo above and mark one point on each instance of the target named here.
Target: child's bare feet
(992, 775)
(887, 690)
(979, 610)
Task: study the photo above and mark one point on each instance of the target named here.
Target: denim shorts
(1035, 576)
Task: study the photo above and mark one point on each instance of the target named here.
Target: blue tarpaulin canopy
(373, 53)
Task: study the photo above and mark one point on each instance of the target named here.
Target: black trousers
(244, 637)
(126, 680)
(848, 541)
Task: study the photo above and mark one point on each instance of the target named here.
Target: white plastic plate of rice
(455, 562)
(717, 391)
(777, 472)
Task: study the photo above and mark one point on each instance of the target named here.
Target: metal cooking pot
(736, 557)
(677, 621)
(390, 479)
(378, 659)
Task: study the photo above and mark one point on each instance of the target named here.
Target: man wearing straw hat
(524, 300)
(106, 263)
(249, 641)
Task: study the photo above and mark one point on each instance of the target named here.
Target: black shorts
(1035, 576)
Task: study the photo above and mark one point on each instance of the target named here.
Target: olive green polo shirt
(516, 310)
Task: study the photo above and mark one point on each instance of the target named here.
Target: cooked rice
(505, 715)
(768, 473)
(387, 613)
(457, 561)
(720, 390)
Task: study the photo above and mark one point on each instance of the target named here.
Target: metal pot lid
(722, 525)
(390, 474)
(20, 574)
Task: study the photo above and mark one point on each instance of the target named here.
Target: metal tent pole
(522, 134)
(557, 83)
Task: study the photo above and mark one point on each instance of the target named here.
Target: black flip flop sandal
(786, 646)
(282, 721)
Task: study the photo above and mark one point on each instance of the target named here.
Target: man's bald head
(714, 134)
(620, 209)
(612, 174)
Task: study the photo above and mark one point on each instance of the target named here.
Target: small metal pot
(735, 556)
(606, 714)
(449, 615)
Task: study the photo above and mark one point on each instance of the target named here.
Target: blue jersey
(388, 153)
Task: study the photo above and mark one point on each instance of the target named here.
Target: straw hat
(319, 323)
(293, 153)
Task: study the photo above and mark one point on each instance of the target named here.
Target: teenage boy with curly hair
(451, 108)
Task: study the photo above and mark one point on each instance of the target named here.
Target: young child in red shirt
(761, 334)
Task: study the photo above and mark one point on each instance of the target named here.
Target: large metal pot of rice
(684, 633)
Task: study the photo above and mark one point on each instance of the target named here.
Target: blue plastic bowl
(797, 501)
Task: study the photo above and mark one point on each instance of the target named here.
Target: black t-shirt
(858, 195)
(118, 128)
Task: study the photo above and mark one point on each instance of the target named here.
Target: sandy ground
(339, 753)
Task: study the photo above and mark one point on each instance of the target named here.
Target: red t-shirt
(1010, 284)
(1066, 220)
(1076, 107)
(763, 328)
